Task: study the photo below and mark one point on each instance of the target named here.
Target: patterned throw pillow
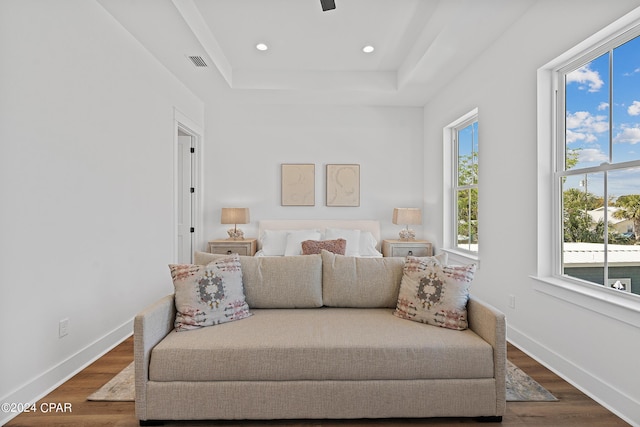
(208, 295)
(310, 247)
(434, 293)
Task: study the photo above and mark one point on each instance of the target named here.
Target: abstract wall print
(298, 185)
(343, 185)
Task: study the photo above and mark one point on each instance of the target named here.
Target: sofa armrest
(491, 325)
(150, 326)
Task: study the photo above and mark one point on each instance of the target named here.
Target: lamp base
(407, 234)
(235, 234)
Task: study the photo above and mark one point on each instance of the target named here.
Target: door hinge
(193, 190)
(193, 230)
(193, 150)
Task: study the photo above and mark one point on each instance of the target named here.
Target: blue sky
(588, 110)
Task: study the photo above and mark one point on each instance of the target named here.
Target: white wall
(86, 186)
(246, 144)
(86, 179)
(595, 352)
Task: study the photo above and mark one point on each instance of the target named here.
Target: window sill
(457, 256)
(616, 305)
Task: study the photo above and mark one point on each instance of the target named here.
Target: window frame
(549, 278)
(450, 188)
(560, 170)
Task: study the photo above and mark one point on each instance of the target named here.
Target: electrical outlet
(63, 328)
(512, 301)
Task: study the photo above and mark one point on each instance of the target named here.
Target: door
(186, 197)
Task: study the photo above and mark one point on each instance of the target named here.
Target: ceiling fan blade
(328, 5)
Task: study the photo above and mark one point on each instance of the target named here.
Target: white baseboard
(49, 380)
(597, 389)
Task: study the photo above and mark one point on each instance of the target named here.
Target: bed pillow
(208, 295)
(435, 293)
(351, 236)
(311, 247)
(295, 239)
(274, 242)
(368, 245)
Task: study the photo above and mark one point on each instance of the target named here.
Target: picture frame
(343, 185)
(298, 186)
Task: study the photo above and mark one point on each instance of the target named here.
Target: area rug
(120, 388)
(520, 387)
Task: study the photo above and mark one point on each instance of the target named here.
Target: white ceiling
(316, 56)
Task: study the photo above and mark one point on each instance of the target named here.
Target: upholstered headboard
(321, 224)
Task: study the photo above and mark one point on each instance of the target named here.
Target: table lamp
(407, 216)
(235, 216)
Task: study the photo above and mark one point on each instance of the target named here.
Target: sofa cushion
(434, 293)
(208, 295)
(278, 282)
(310, 247)
(360, 282)
(204, 258)
(321, 344)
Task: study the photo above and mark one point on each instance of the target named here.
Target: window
(597, 168)
(461, 186)
(465, 185)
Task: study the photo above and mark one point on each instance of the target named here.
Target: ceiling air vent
(198, 61)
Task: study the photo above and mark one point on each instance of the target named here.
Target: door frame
(182, 123)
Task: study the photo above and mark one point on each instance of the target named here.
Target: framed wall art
(343, 185)
(298, 184)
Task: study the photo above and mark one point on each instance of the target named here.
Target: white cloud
(585, 75)
(628, 135)
(582, 126)
(637, 70)
(603, 106)
(572, 136)
(585, 121)
(634, 109)
(592, 155)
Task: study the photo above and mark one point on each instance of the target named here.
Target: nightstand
(402, 248)
(229, 246)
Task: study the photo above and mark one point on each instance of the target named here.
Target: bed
(283, 237)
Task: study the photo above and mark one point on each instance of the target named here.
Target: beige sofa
(322, 343)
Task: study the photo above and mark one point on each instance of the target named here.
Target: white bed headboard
(372, 226)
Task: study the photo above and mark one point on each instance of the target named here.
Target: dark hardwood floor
(573, 408)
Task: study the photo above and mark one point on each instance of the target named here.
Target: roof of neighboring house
(588, 254)
(598, 215)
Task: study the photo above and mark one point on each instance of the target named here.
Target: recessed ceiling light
(262, 47)
(368, 49)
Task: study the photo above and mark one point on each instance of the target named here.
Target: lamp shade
(407, 216)
(235, 216)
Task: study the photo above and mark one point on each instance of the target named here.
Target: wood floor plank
(573, 409)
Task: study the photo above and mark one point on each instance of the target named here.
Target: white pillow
(295, 239)
(351, 236)
(274, 242)
(368, 244)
